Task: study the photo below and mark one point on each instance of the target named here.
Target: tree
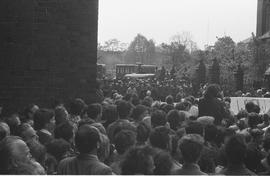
(141, 50)
(113, 45)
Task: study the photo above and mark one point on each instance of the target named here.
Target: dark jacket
(44, 138)
(212, 107)
(189, 169)
(236, 170)
(83, 165)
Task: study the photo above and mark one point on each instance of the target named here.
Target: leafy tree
(141, 50)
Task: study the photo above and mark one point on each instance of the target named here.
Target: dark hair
(87, 138)
(250, 107)
(65, 131)
(191, 146)
(175, 119)
(228, 99)
(210, 133)
(167, 107)
(160, 138)
(93, 110)
(169, 99)
(58, 148)
(253, 120)
(236, 149)
(194, 127)
(143, 132)
(137, 161)
(158, 118)
(242, 114)
(163, 163)
(123, 109)
(178, 97)
(42, 117)
(135, 100)
(183, 106)
(13, 122)
(77, 106)
(147, 102)
(124, 140)
(60, 115)
(212, 91)
(138, 111)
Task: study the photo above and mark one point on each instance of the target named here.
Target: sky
(161, 19)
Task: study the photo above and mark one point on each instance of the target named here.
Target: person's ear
(98, 145)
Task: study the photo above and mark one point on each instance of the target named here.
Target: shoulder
(101, 169)
(65, 161)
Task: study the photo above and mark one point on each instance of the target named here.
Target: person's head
(257, 135)
(160, 138)
(93, 111)
(235, 149)
(109, 113)
(65, 131)
(28, 112)
(175, 119)
(58, 148)
(37, 150)
(210, 133)
(139, 112)
(13, 122)
(183, 106)
(191, 146)
(250, 107)
(77, 106)
(253, 120)
(266, 118)
(27, 132)
(242, 114)
(87, 139)
(143, 132)
(227, 101)
(147, 101)
(169, 99)
(212, 91)
(138, 160)
(163, 163)
(158, 118)
(178, 97)
(61, 115)
(124, 140)
(13, 150)
(123, 109)
(4, 130)
(167, 107)
(135, 100)
(44, 119)
(194, 128)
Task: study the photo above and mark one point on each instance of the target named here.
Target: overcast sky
(161, 19)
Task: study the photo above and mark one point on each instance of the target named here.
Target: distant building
(263, 17)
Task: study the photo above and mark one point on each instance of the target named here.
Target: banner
(238, 103)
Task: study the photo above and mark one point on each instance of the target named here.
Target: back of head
(191, 146)
(250, 107)
(163, 163)
(37, 150)
(158, 118)
(183, 106)
(143, 132)
(194, 128)
(138, 111)
(160, 138)
(167, 107)
(64, 131)
(138, 160)
(235, 149)
(212, 91)
(42, 117)
(58, 148)
(174, 118)
(253, 120)
(124, 140)
(109, 113)
(123, 109)
(86, 139)
(77, 106)
(169, 99)
(93, 110)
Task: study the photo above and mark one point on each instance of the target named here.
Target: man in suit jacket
(191, 147)
(87, 140)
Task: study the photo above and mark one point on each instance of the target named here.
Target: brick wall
(48, 51)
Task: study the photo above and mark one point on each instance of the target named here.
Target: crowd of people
(135, 133)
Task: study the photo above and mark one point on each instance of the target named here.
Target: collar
(88, 157)
(46, 132)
